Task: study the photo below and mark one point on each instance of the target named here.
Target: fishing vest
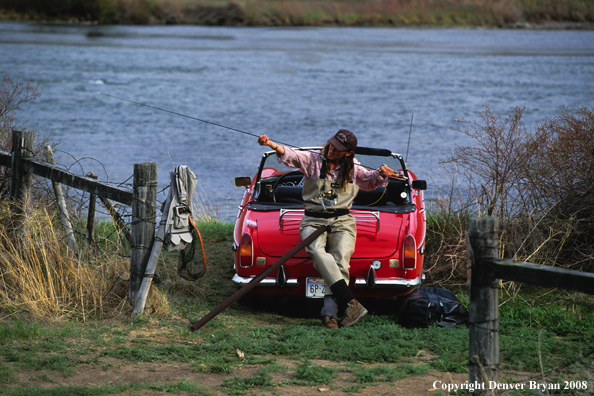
(178, 230)
(324, 198)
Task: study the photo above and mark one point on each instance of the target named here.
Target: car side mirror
(419, 184)
(243, 181)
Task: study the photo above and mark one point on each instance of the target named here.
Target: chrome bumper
(380, 283)
(359, 282)
(270, 281)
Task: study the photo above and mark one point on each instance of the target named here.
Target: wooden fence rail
(142, 198)
(485, 271)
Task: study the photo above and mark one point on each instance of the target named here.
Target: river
(298, 85)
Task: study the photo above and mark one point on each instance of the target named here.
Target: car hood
(378, 234)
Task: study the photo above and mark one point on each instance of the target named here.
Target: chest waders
(326, 204)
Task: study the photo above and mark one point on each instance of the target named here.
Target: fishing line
(190, 117)
(210, 122)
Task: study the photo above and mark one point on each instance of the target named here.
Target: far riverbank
(522, 14)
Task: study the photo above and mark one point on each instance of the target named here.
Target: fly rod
(190, 117)
(210, 122)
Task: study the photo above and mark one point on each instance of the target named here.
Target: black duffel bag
(431, 306)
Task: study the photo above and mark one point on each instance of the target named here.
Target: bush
(12, 95)
(88, 9)
(105, 11)
(559, 175)
(539, 183)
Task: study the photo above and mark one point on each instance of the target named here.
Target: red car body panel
(377, 265)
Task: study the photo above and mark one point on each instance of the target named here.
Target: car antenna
(409, 133)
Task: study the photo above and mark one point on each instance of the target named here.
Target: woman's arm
(263, 140)
(369, 180)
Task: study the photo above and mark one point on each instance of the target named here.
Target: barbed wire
(79, 204)
(109, 240)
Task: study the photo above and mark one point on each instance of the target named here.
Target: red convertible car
(391, 228)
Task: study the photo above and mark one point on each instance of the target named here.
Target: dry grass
(40, 278)
(501, 13)
(375, 13)
(344, 13)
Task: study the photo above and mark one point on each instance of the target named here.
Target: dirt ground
(124, 372)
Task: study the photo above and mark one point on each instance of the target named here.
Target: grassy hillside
(472, 13)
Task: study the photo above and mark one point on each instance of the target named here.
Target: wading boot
(329, 322)
(354, 312)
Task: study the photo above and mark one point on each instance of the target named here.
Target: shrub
(87, 9)
(12, 95)
(539, 183)
(559, 175)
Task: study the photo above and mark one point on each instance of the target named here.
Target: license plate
(314, 288)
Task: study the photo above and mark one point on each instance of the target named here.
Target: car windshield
(277, 185)
(367, 161)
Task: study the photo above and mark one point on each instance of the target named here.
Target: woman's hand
(263, 140)
(386, 171)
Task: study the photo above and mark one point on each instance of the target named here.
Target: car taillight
(245, 251)
(409, 253)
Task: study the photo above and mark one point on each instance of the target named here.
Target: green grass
(312, 374)
(547, 332)
(6, 373)
(540, 331)
(235, 385)
(529, 345)
(389, 374)
(187, 388)
(216, 231)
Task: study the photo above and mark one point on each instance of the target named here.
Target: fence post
(483, 306)
(20, 184)
(91, 213)
(144, 215)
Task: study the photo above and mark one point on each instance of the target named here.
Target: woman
(332, 178)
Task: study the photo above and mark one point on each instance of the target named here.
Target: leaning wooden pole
(152, 263)
(483, 346)
(254, 282)
(117, 218)
(144, 213)
(62, 207)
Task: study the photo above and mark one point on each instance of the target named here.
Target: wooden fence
(485, 271)
(142, 199)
